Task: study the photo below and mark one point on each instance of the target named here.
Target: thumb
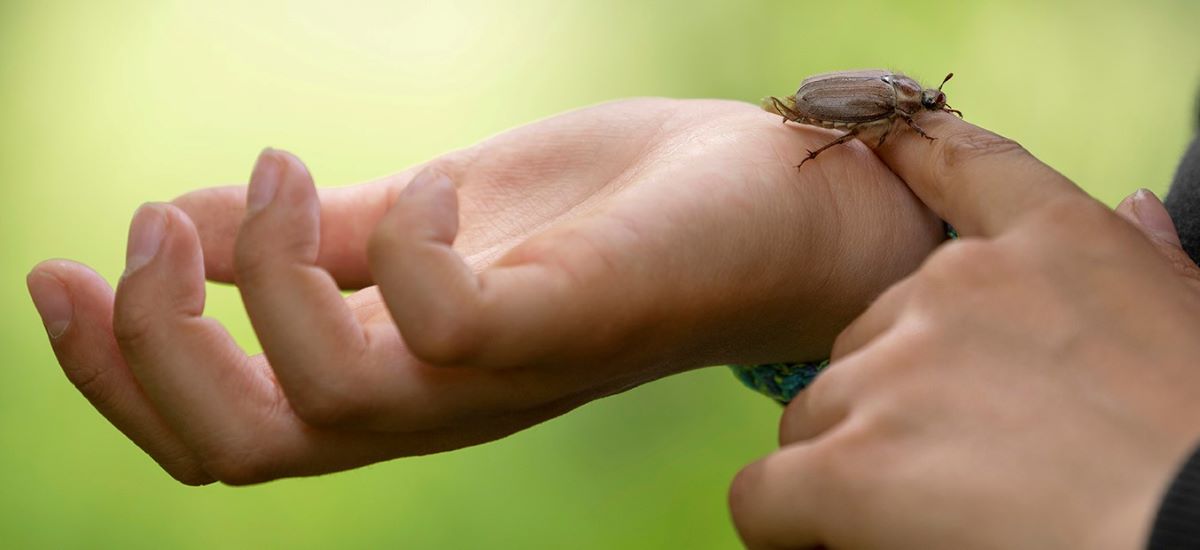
(1146, 212)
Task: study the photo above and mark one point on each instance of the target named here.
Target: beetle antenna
(949, 110)
(944, 80)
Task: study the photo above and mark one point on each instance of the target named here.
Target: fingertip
(1152, 217)
(296, 181)
(432, 294)
(146, 232)
(52, 300)
(83, 283)
(281, 180)
(1146, 212)
(64, 270)
(264, 181)
(283, 216)
(164, 260)
(430, 201)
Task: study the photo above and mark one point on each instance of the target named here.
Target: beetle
(860, 102)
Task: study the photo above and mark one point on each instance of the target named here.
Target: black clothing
(1177, 525)
(1183, 201)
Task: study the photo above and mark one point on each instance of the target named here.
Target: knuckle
(823, 462)
(963, 261)
(333, 403)
(957, 150)
(792, 424)
(1080, 219)
(844, 342)
(906, 345)
(820, 405)
(192, 476)
(92, 383)
(847, 461)
(250, 263)
(239, 466)
(446, 339)
(132, 325)
(184, 468)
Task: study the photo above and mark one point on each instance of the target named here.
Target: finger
(334, 370)
(978, 181)
(187, 365)
(827, 402)
(348, 215)
(1146, 212)
(306, 330)
(812, 412)
(76, 305)
(520, 310)
(780, 500)
(224, 405)
(879, 317)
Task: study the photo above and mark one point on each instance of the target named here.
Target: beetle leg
(783, 110)
(813, 154)
(914, 126)
(883, 137)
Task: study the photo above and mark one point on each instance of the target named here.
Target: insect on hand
(861, 102)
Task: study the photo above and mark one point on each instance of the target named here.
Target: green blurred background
(104, 105)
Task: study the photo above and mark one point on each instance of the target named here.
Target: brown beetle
(860, 102)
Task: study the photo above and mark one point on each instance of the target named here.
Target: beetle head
(935, 100)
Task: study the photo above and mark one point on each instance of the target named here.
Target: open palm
(592, 252)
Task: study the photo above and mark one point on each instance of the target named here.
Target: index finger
(978, 181)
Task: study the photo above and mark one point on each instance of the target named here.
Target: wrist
(856, 244)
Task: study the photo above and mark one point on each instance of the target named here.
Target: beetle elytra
(859, 102)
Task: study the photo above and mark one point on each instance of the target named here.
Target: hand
(592, 252)
(1033, 385)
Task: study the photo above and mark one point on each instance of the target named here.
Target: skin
(502, 285)
(1032, 385)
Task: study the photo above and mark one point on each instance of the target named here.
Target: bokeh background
(104, 105)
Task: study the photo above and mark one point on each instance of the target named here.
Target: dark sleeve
(1183, 200)
(1177, 525)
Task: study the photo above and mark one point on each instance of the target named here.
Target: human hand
(593, 251)
(1032, 385)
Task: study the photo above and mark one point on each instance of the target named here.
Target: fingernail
(52, 301)
(145, 237)
(264, 180)
(1153, 216)
(424, 181)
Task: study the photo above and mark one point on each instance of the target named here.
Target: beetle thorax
(909, 94)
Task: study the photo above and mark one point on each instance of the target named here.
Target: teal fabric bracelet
(779, 381)
(782, 381)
